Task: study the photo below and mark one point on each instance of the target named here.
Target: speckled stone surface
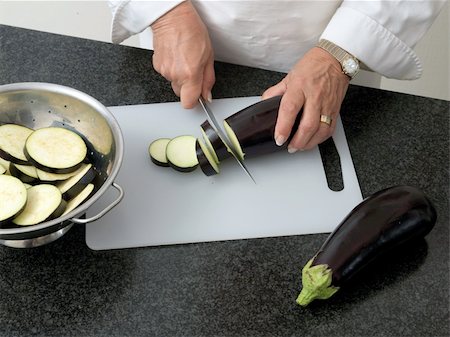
(233, 288)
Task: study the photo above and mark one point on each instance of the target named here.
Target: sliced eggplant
(55, 177)
(181, 153)
(75, 184)
(206, 161)
(12, 142)
(157, 152)
(44, 202)
(26, 173)
(251, 130)
(5, 164)
(217, 147)
(79, 199)
(2, 169)
(13, 197)
(55, 150)
(383, 221)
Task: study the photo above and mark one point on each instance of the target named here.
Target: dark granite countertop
(231, 288)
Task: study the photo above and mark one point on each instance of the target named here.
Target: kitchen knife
(216, 126)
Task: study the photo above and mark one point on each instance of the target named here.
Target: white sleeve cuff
(372, 44)
(133, 17)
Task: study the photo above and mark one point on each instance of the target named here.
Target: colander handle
(105, 210)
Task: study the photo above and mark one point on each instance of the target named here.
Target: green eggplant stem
(316, 283)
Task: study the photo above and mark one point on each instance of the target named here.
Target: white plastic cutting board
(162, 206)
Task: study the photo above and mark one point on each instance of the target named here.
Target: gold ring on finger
(326, 119)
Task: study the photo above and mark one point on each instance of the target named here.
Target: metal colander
(37, 105)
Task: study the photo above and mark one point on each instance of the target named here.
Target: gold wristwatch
(349, 63)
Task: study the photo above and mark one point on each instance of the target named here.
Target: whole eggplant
(385, 220)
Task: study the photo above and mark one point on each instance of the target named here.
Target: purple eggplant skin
(254, 127)
(385, 220)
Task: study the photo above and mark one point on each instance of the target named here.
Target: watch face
(350, 67)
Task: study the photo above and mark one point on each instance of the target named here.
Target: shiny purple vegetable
(383, 221)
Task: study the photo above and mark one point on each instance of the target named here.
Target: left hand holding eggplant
(317, 84)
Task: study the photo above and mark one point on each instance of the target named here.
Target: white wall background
(92, 20)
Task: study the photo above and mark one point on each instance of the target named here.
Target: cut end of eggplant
(157, 152)
(234, 140)
(316, 282)
(206, 160)
(181, 153)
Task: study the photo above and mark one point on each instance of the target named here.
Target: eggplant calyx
(316, 282)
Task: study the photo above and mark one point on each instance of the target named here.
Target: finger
(309, 124)
(176, 88)
(190, 92)
(323, 133)
(276, 90)
(209, 78)
(290, 105)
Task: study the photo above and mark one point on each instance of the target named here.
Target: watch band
(341, 55)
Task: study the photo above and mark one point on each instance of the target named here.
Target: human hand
(317, 84)
(183, 54)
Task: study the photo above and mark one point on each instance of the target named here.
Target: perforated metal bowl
(38, 105)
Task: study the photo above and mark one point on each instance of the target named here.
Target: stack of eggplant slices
(44, 174)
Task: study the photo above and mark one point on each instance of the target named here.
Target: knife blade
(216, 126)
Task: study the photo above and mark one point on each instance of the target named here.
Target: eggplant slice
(2, 169)
(12, 142)
(44, 202)
(79, 199)
(217, 147)
(206, 161)
(13, 197)
(55, 150)
(75, 184)
(181, 153)
(157, 152)
(26, 173)
(5, 164)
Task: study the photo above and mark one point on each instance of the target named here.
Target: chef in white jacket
(319, 44)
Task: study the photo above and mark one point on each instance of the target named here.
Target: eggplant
(215, 144)
(206, 161)
(12, 141)
(79, 198)
(251, 130)
(181, 153)
(157, 152)
(26, 173)
(44, 202)
(5, 164)
(55, 150)
(385, 220)
(75, 184)
(13, 197)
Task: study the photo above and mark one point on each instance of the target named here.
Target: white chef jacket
(275, 34)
